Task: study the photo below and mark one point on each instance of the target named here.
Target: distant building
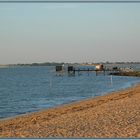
(99, 67)
(59, 68)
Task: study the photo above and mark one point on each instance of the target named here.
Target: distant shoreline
(4, 66)
(61, 63)
(134, 73)
(111, 115)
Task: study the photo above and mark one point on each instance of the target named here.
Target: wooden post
(96, 73)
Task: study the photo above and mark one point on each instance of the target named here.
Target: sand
(115, 115)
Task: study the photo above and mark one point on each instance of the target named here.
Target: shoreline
(77, 119)
(65, 104)
(72, 102)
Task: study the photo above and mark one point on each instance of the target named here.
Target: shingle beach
(114, 115)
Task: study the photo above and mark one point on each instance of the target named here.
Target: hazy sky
(69, 32)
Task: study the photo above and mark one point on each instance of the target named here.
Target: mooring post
(96, 72)
(104, 72)
(74, 71)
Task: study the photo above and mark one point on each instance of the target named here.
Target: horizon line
(70, 62)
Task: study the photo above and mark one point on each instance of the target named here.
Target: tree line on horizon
(63, 63)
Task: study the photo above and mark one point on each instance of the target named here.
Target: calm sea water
(28, 89)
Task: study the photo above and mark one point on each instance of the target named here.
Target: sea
(29, 89)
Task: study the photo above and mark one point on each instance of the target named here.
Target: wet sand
(115, 115)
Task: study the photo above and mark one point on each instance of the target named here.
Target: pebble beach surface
(115, 115)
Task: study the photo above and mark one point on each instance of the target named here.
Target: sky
(69, 32)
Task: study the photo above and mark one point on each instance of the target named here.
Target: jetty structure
(98, 68)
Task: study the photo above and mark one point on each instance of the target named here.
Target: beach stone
(116, 115)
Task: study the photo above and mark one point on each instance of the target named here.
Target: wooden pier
(104, 71)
